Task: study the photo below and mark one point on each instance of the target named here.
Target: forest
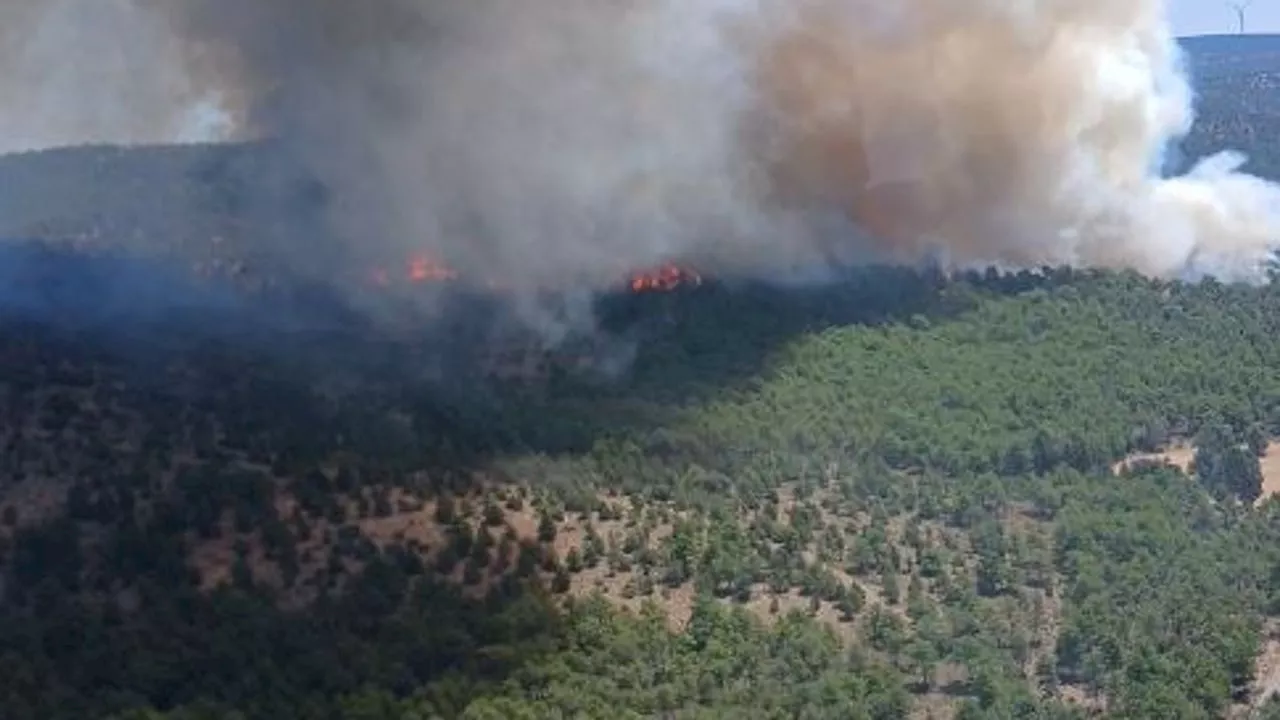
(890, 497)
(902, 493)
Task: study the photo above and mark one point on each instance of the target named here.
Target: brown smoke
(584, 138)
(995, 131)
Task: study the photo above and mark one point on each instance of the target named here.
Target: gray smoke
(575, 140)
(97, 71)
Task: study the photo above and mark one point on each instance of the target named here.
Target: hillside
(899, 494)
(1237, 84)
(907, 465)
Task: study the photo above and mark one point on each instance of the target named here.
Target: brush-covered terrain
(899, 495)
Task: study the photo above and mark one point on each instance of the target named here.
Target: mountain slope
(891, 496)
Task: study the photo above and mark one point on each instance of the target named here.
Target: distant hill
(219, 207)
(1237, 83)
(92, 191)
(1214, 49)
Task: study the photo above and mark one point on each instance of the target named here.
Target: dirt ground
(1181, 457)
(1271, 471)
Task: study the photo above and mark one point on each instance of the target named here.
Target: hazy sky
(1198, 17)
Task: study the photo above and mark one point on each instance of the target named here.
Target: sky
(1200, 17)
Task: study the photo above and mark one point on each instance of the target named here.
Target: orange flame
(666, 278)
(420, 268)
(424, 268)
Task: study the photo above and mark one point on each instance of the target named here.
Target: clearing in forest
(1181, 456)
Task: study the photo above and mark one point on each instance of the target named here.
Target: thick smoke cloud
(579, 139)
(1011, 132)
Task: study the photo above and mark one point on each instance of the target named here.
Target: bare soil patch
(1270, 471)
(1266, 682)
(1182, 456)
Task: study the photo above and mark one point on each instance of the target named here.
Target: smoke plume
(580, 139)
(81, 71)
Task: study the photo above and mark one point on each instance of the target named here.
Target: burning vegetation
(664, 279)
(519, 354)
(419, 268)
(427, 268)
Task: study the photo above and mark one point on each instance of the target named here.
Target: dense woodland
(886, 496)
(889, 496)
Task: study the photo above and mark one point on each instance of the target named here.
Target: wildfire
(666, 278)
(424, 268)
(420, 268)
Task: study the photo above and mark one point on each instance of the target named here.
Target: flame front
(420, 268)
(666, 278)
(425, 268)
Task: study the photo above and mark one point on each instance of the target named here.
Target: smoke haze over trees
(583, 140)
